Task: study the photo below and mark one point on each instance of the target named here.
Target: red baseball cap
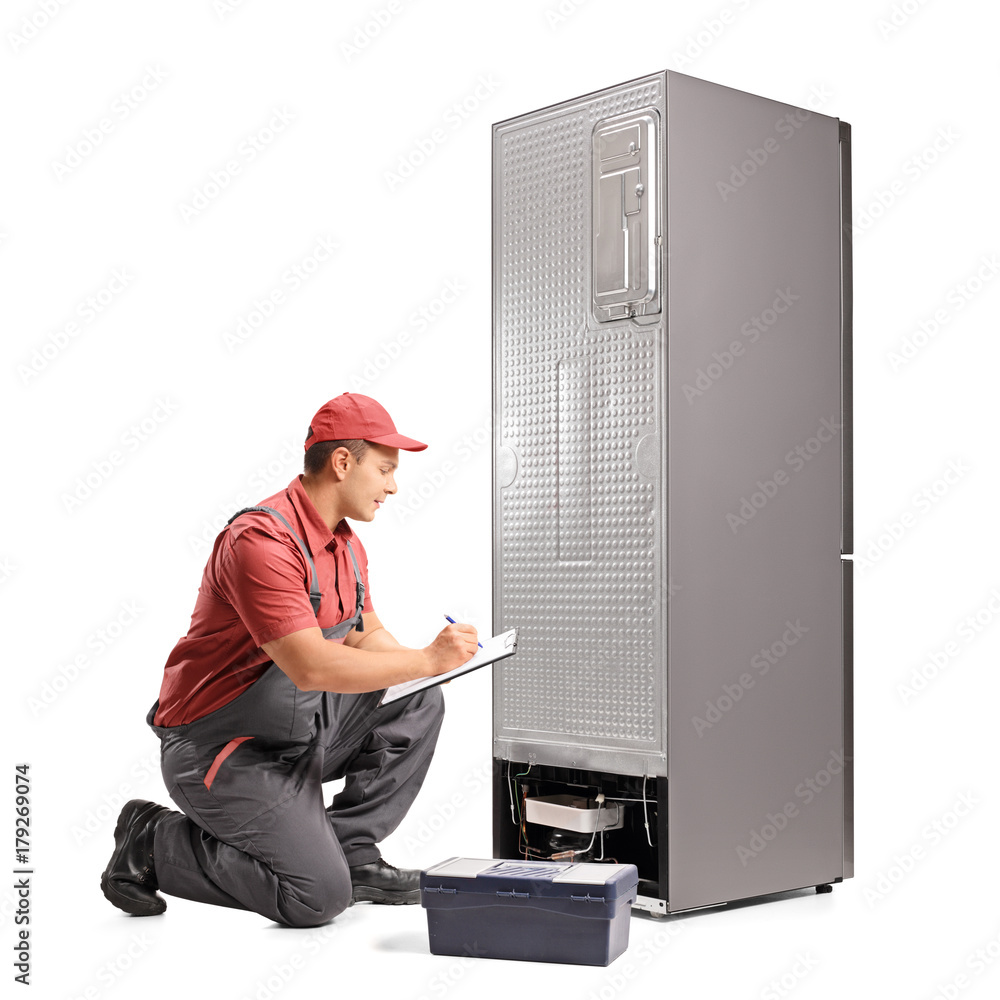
(351, 415)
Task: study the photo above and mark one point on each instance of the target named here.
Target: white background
(175, 429)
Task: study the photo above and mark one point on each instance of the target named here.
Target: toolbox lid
(547, 878)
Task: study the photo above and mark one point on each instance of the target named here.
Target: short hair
(318, 454)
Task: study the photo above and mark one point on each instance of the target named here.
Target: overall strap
(314, 593)
(359, 600)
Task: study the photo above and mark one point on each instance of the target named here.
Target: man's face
(368, 484)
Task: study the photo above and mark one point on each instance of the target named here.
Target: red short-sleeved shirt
(256, 588)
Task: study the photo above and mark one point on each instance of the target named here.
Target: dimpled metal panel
(577, 533)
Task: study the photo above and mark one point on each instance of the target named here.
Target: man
(275, 690)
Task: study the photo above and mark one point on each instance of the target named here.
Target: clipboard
(497, 648)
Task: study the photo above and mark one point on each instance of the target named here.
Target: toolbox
(534, 911)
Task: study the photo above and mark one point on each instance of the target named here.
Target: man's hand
(455, 644)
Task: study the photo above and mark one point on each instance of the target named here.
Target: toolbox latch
(513, 895)
(587, 899)
(440, 888)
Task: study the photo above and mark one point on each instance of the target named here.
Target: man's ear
(340, 462)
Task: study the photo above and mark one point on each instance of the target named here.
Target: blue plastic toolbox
(535, 911)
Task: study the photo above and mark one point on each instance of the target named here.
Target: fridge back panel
(578, 515)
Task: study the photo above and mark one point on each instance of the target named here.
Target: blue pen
(452, 620)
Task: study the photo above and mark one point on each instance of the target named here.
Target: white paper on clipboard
(496, 648)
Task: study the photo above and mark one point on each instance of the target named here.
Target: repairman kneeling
(275, 690)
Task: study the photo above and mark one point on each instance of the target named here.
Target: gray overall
(254, 832)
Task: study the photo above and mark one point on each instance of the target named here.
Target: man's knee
(429, 711)
(435, 702)
(325, 899)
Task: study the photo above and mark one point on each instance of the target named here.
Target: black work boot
(129, 881)
(380, 882)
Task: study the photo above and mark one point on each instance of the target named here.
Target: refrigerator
(671, 489)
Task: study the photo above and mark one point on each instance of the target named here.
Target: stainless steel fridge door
(756, 659)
